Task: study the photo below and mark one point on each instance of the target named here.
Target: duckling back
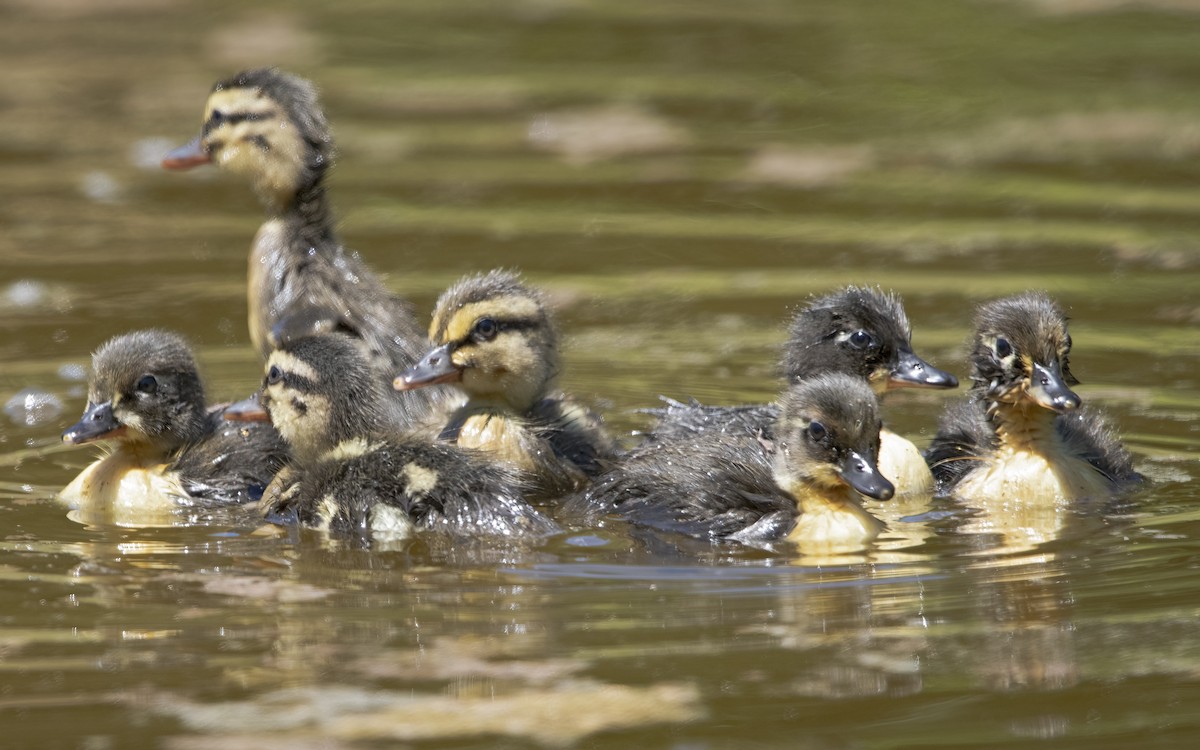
(355, 475)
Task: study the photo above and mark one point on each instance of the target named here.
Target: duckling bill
(168, 449)
(353, 476)
(1022, 432)
(494, 338)
(802, 482)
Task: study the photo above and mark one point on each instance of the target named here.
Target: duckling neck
(310, 214)
(1025, 427)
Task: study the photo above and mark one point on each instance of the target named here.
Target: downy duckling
(857, 331)
(1021, 432)
(803, 485)
(351, 476)
(495, 339)
(267, 126)
(168, 450)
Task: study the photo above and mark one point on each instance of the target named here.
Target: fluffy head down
(320, 393)
(268, 125)
(857, 331)
(1020, 349)
(828, 425)
(145, 388)
(499, 337)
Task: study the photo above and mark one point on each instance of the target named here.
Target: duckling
(352, 477)
(267, 126)
(1021, 432)
(802, 481)
(857, 331)
(169, 451)
(495, 339)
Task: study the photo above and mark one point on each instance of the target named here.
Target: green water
(678, 175)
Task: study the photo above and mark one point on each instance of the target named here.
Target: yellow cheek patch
(239, 101)
(277, 169)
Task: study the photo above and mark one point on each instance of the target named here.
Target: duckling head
(494, 338)
(828, 437)
(144, 389)
(320, 393)
(266, 125)
(863, 332)
(1020, 352)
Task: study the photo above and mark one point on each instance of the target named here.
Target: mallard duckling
(802, 481)
(496, 341)
(169, 450)
(1022, 433)
(267, 126)
(351, 477)
(857, 331)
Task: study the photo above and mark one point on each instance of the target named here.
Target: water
(678, 175)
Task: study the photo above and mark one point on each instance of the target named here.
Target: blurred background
(679, 176)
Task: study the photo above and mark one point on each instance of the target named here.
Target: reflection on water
(679, 176)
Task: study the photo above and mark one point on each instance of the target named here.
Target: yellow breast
(125, 489)
(1033, 476)
(832, 521)
(503, 438)
(902, 464)
(261, 304)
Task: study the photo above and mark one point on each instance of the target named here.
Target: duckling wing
(963, 437)
(1091, 436)
(426, 486)
(575, 433)
(714, 486)
(233, 463)
(679, 421)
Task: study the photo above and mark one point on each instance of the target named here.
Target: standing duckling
(805, 485)
(496, 341)
(267, 126)
(169, 450)
(856, 331)
(352, 477)
(1021, 433)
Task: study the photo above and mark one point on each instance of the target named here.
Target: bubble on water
(100, 187)
(74, 372)
(33, 406)
(26, 293)
(148, 153)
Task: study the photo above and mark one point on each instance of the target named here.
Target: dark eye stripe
(294, 381)
(501, 327)
(218, 119)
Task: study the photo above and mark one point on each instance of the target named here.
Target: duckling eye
(485, 330)
(1003, 349)
(860, 339)
(147, 384)
(817, 431)
(274, 375)
(217, 117)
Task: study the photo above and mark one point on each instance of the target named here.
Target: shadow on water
(678, 176)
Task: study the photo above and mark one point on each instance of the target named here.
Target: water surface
(679, 176)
